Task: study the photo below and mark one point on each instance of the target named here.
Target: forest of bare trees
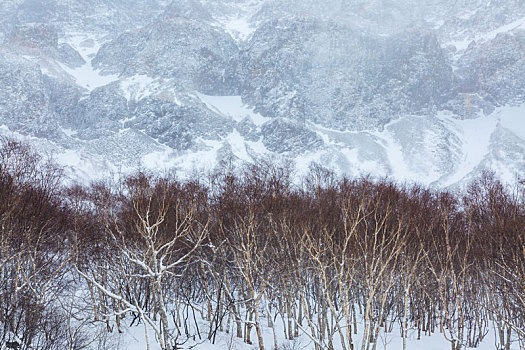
(241, 249)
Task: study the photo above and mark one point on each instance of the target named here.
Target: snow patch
(475, 135)
(518, 24)
(137, 87)
(89, 78)
(69, 132)
(162, 159)
(84, 168)
(360, 167)
(513, 119)
(258, 147)
(86, 76)
(239, 28)
(239, 24)
(232, 107)
(238, 146)
(394, 152)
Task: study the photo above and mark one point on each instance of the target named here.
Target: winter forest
(248, 258)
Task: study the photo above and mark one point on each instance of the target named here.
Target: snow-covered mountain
(430, 91)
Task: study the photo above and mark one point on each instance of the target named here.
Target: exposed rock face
(178, 126)
(35, 35)
(340, 78)
(196, 54)
(388, 87)
(495, 69)
(281, 136)
(24, 101)
(69, 56)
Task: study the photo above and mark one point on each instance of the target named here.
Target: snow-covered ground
(134, 338)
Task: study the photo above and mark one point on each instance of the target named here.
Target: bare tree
(154, 234)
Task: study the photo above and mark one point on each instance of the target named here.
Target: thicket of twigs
(330, 258)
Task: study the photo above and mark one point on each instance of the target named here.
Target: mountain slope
(435, 94)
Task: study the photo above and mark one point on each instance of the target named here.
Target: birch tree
(155, 235)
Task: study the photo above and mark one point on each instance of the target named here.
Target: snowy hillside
(421, 91)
